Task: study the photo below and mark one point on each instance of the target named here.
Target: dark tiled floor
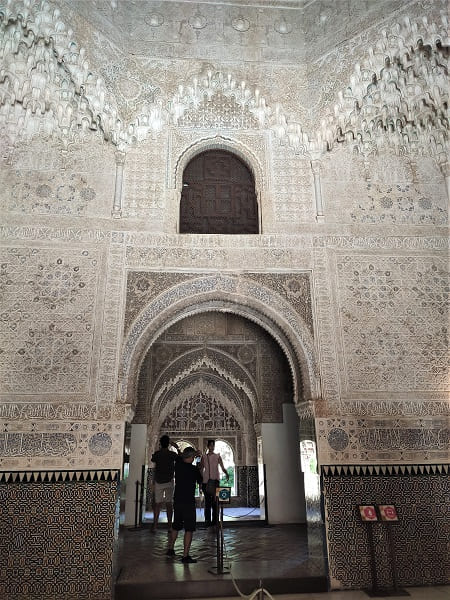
(271, 554)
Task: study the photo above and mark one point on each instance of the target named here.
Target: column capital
(120, 157)
(316, 165)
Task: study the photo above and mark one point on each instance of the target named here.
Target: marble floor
(287, 560)
(285, 557)
(416, 593)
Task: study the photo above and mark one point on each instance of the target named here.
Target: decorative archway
(226, 293)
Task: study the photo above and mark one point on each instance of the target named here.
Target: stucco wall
(85, 200)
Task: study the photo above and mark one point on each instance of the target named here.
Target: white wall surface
(137, 459)
(285, 491)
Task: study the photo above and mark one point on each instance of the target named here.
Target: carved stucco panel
(51, 300)
(393, 322)
(61, 445)
(356, 440)
(383, 189)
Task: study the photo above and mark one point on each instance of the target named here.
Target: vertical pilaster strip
(445, 168)
(117, 206)
(315, 167)
(326, 326)
(112, 321)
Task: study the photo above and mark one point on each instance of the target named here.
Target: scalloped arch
(219, 142)
(173, 374)
(174, 396)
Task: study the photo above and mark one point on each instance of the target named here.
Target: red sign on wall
(368, 513)
(388, 512)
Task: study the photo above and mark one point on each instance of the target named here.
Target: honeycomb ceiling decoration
(398, 96)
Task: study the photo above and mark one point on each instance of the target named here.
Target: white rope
(236, 587)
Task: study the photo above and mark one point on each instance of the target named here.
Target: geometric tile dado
(57, 536)
(420, 537)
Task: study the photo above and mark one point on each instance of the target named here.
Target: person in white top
(209, 467)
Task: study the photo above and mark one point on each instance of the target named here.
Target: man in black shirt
(164, 460)
(186, 477)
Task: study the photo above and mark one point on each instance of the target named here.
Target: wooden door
(218, 195)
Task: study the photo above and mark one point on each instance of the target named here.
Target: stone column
(315, 167)
(117, 206)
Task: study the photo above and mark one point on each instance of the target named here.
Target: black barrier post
(389, 517)
(219, 557)
(219, 568)
(386, 515)
(141, 496)
(368, 514)
(136, 509)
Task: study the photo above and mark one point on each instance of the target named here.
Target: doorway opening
(227, 454)
(216, 374)
(219, 375)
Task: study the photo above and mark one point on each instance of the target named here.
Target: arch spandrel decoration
(226, 293)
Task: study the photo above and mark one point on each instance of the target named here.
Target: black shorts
(184, 517)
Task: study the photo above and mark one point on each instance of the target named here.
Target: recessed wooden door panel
(218, 195)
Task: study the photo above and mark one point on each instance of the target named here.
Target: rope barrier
(261, 590)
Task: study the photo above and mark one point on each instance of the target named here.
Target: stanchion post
(389, 518)
(219, 568)
(221, 536)
(141, 495)
(136, 509)
(373, 566)
(216, 500)
(369, 516)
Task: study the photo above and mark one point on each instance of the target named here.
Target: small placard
(368, 512)
(388, 512)
(223, 493)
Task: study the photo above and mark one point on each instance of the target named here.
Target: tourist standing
(164, 460)
(187, 476)
(209, 466)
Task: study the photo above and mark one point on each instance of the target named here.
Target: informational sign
(388, 512)
(368, 512)
(224, 494)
